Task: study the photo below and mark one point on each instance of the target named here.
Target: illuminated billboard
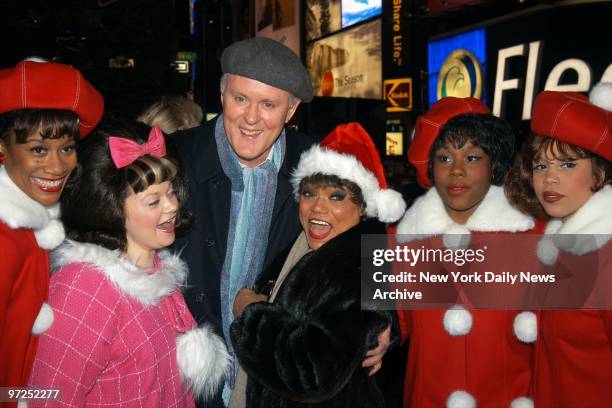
(347, 64)
(457, 66)
(355, 11)
(322, 17)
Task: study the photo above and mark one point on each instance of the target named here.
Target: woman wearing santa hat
(459, 357)
(564, 173)
(305, 347)
(44, 109)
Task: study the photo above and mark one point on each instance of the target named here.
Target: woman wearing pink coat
(123, 335)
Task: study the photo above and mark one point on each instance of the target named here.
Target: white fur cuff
(461, 399)
(203, 360)
(457, 321)
(526, 327)
(44, 320)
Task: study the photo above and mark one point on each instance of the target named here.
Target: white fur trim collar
(428, 217)
(589, 229)
(138, 283)
(20, 211)
(385, 204)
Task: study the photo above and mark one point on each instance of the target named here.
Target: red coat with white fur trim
(483, 362)
(124, 334)
(573, 364)
(27, 230)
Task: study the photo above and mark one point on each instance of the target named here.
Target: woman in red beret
(44, 109)
(564, 173)
(460, 357)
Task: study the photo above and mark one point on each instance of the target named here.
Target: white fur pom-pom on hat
(44, 320)
(203, 360)
(601, 95)
(522, 402)
(457, 321)
(390, 204)
(526, 327)
(461, 399)
(349, 153)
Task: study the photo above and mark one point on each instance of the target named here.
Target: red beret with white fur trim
(571, 118)
(428, 127)
(45, 85)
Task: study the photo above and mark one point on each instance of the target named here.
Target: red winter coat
(483, 363)
(27, 230)
(573, 354)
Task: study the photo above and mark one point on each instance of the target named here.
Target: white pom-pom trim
(461, 399)
(526, 327)
(601, 95)
(203, 360)
(44, 320)
(51, 235)
(457, 321)
(390, 204)
(547, 251)
(522, 402)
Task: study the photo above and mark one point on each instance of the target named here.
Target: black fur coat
(305, 349)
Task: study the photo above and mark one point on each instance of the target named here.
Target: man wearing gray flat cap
(239, 167)
(239, 170)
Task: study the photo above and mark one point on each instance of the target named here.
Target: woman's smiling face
(326, 212)
(40, 166)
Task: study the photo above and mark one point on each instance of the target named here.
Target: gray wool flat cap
(270, 62)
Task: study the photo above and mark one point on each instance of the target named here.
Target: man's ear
(292, 110)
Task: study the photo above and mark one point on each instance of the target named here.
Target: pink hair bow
(124, 151)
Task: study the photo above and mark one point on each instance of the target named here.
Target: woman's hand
(245, 297)
(374, 356)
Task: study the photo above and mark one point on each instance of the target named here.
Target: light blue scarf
(252, 202)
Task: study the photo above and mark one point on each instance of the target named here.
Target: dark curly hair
(50, 123)
(93, 201)
(519, 186)
(490, 133)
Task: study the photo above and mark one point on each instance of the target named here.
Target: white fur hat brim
(385, 204)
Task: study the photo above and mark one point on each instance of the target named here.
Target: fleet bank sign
(509, 70)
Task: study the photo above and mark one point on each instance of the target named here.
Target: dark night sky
(87, 33)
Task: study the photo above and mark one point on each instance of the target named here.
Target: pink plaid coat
(123, 336)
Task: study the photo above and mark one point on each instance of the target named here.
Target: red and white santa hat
(349, 153)
(573, 118)
(428, 127)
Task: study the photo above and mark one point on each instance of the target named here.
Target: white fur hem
(44, 320)
(522, 402)
(385, 204)
(461, 399)
(457, 321)
(526, 327)
(203, 360)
